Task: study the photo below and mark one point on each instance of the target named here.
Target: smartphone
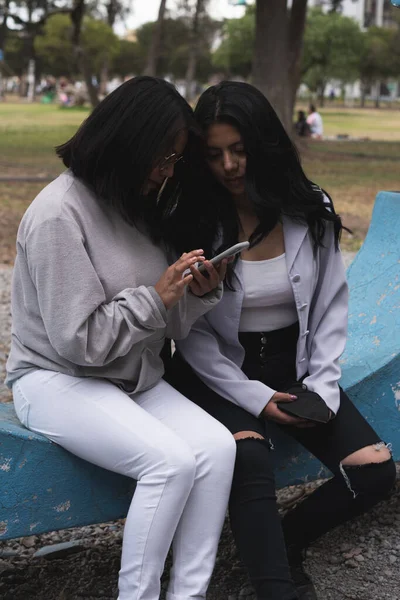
(232, 251)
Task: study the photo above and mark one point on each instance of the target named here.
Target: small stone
(246, 592)
(392, 559)
(388, 572)
(59, 550)
(8, 553)
(359, 558)
(351, 563)
(29, 542)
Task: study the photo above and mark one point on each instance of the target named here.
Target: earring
(161, 189)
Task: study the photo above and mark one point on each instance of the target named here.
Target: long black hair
(123, 139)
(275, 180)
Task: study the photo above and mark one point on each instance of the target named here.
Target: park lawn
(371, 123)
(30, 132)
(351, 172)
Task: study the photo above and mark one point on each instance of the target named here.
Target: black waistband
(274, 341)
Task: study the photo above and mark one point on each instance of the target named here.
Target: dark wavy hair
(275, 180)
(123, 139)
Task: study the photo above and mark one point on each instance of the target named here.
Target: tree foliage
(333, 46)
(55, 50)
(175, 41)
(234, 56)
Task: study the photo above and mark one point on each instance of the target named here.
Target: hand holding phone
(232, 251)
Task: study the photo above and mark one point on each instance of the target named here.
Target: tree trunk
(113, 7)
(362, 98)
(154, 52)
(77, 15)
(297, 24)
(193, 51)
(3, 25)
(321, 95)
(104, 76)
(378, 95)
(277, 53)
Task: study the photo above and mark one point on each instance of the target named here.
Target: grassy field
(352, 172)
(381, 124)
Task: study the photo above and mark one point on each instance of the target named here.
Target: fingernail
(293, 397)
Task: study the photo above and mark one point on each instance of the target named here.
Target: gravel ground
(359, 561)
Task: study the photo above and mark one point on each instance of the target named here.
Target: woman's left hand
(200, 286)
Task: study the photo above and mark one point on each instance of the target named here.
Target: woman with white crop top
(269, 352)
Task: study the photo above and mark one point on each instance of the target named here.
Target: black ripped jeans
(262, 538)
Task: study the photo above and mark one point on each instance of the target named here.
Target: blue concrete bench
(44, 488)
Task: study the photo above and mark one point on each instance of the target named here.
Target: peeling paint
(381, 299)
(362, 315)
(6, 466)
(3, 527)
(396, 394)
(33, 526)
(373, 321)
(63, 507)
(376, 341)
(23, 463)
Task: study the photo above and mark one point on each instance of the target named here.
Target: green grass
(29, 133)
(372, 123)
(351, 172)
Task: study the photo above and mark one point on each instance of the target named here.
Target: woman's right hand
(172, 283)
(273, 413)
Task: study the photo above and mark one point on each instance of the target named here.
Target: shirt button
(302, 360)
(306, 333)
(296, 278)
(303, 306)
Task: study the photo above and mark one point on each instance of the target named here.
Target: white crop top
(268, 302)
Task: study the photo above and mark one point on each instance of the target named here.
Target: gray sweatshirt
(83, 301)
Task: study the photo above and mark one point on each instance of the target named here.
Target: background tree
(333, 46)
(128, 60)
(379, 59)
(194, 49)
(28, 18)
(55, 49)
(155, 44)
(114, 10)
(278, 50)
(277, 53)
(174, 46)
(234, 55)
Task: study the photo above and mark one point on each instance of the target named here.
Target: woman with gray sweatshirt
(93, 301)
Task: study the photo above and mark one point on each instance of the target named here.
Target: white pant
(181, 458)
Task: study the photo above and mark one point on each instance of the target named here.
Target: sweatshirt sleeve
(81, 325)
(189, 309)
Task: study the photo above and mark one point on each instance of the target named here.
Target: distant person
(301, 126)
(332, 95)
(314, 121)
